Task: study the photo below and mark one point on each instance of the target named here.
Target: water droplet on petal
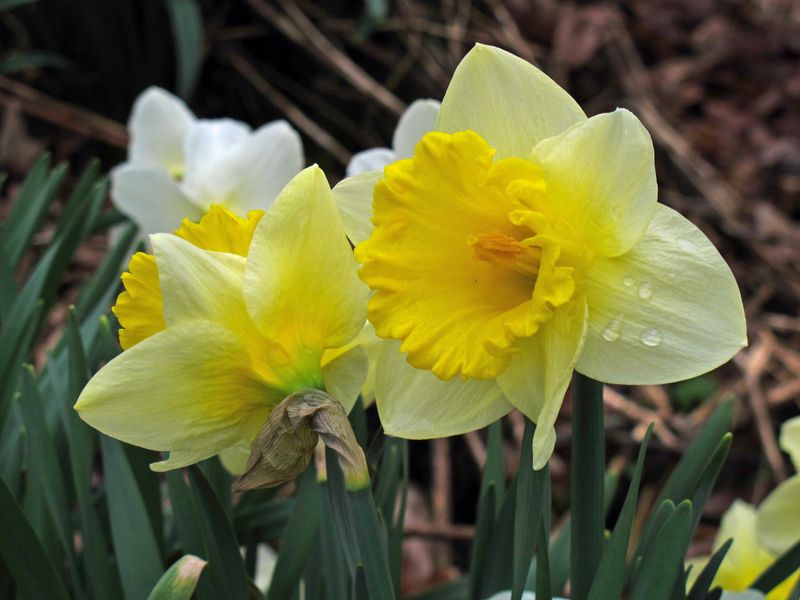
(613, 330)
(687, 245)
(629, 281)
(645, 290)
(651, 337)
(672, 275)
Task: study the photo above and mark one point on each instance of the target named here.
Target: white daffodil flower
(178, 165)
(416, 121)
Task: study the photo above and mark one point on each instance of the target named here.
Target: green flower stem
(359, 528)
(586, 483)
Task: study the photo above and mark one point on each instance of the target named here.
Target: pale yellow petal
(234, 459)
(416, 404)
(200, 284)
(188, 389)
(353, 197)
(417, 120)
(601, 180)
(344, 375)
(506, 100)
(790, 440)
(539, 374)
(667, 310)
(301, 285)
(779, 517)
(746, 559)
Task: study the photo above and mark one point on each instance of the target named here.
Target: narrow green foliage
(544, 587)
(298, 536)
(494, 471)
(30, 207)
(23, 554)
(180, 580)
(528, 514)
(586, 483)
(702, 584)
(480, 544)
(44, 470)
(786, 564)
(187, 32)
(107, 275)
(683, 480)
(135, 547)
(225, 563)
(498, 565)
(660, 567)
(610, 577)
(358, 524)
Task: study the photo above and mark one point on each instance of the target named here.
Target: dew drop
(651, 337)
(687, 245)
(672, 275)
(629, 281)
(646, 290)
(613, 330)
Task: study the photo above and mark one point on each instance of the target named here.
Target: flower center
(503, 250)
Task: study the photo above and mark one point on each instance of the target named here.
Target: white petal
(538, 376)
(374, 159)
(207, 146)
(353, 197)
(151, 198)
(158, 124)
(261, 166)
(667, 310)
(416, 404)
(418, 119)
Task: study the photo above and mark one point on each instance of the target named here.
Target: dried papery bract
(286, 442)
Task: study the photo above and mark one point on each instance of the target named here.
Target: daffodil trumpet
(521, 241)
(225, 320)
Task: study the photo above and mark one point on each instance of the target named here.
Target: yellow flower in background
(746, 559)
(523, 240)
(218, 329)
(778, 520)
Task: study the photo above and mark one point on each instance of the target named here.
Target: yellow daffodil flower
(218, 329)
(746, 559)
(779, 513)
(523, 240)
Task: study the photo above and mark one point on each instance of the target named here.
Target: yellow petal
(300, 282)
(221, 231)
(189, 389)
(416, 404)
(539, 374)
(353, 197)
(506, 100)
(601, 179)
(779, 516)
(140, 308)
(458, 274)
(665, 311)
(746, 559)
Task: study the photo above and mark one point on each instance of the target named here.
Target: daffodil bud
(286, 442)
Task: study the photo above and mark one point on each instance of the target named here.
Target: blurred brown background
(717, 83)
